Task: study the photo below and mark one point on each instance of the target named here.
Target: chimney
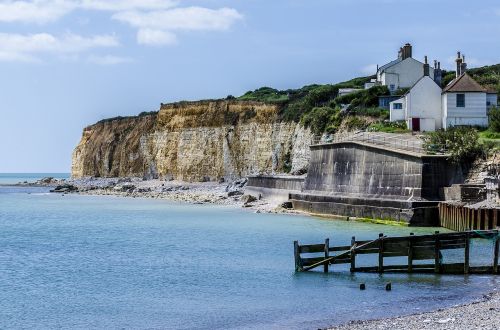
(459, 64)
(438, 73)
(426, 67)
(435, 64)
(407, 51)
(463, 68)
(400, 53)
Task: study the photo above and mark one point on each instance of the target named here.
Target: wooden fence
(415, 248)
(461, 218)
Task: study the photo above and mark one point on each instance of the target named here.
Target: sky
(65, 64)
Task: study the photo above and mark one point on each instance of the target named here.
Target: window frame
(397, 106)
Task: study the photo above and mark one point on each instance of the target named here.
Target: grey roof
(388, 65)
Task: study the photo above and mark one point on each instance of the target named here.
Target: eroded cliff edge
(194, 141)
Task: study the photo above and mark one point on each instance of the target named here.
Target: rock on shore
(484, 315)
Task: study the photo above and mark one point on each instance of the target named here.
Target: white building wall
(397, 114)
(424, 102)
(403, 74)
(474, 113)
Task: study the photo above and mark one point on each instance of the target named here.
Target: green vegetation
(488, 76)
(462, 143)
(389, 127)
(494, 120)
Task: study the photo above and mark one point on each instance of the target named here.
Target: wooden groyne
(461, 218)
(416, 248)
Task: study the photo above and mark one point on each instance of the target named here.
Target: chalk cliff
(194, 141)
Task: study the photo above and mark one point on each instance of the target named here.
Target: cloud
(157, 27)
(187, 19)
(108, 60)
(46, 11)
(123, 5)
(155, 37)
(37, 11)
(18, 47)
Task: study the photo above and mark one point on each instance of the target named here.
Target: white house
(427, 107)
(403, 72)
(420, 107)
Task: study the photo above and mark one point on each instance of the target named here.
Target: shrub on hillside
(462, 143)
(389, 127)
(319, 118)
(494, 115)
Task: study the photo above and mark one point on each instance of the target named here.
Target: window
(460, 100)
(392, 87)
(397, 106)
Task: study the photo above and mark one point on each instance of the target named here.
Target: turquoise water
(106, 262)
(13, 178)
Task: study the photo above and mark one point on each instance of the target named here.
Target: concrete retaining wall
(274, 189)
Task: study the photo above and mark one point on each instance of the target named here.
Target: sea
(100, 262)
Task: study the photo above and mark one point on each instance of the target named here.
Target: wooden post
(353, 254)
(296, 252)
(495, 253)
(467, 253)
(381, 253)
(410, 253)
(487, 219)
(327, 254)
(437, 262)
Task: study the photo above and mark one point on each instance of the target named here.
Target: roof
(388, 65)
(464, 83)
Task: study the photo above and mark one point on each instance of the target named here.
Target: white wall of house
(473, 113)
(423, 101)
(396, 114)
(403, 74)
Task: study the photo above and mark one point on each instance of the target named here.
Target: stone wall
(194, 141)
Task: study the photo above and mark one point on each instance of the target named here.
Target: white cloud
(187, 19)
(122, 5)
(18, 47)
(37, 11)
(45, 11)
(155, 37)
(108, 60)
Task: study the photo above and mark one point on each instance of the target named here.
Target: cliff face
(194, 141)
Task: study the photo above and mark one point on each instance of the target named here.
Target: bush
(389, 127)
(494, 115)
(462, 143)
(319, 118)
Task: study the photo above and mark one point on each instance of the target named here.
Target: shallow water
(107, 262)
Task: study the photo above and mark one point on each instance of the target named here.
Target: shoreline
(223, 193)
(482, 314)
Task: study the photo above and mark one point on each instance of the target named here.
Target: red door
(415, 124)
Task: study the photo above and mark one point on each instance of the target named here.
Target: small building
(347, 91)
(465, 101)
(403, 72)
(420, 107)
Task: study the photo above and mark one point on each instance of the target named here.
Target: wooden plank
(410, 251)
(423, 253)
(367, 251)
(312, 248)
(327, 250)
(455, 268)
(395, 254)
(306, 262)
(381, 253)
(453, 246)
(395, 246)
(481, 270)
(353, 254)
(467, 254)
(495, 255)
(341, 261)
(339, 248)
(437, 261)
(296, 252)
